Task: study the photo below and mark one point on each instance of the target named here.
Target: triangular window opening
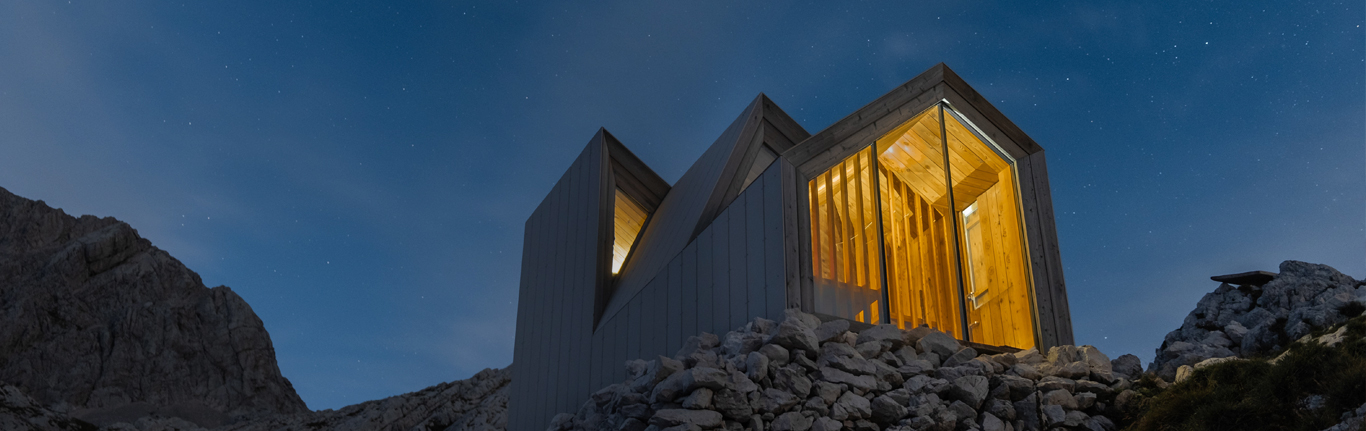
(765, 157)
(627, 221)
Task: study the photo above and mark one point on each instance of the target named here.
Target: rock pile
(100, 323)
(802, 374)
(1250, 321)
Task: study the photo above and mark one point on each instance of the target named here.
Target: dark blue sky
(360, 173)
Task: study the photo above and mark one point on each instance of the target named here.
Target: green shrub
(1257, 395)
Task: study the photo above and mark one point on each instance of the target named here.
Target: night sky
(360, 173)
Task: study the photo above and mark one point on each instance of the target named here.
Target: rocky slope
(475, 404)
(1251, 321)
(100, 323)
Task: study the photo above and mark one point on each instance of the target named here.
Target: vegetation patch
(1308, 389)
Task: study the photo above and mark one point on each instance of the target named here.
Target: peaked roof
(712, 182)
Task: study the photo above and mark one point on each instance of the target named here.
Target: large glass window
(953, 261)
(844, 240)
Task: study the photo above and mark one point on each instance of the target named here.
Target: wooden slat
(739, 307)
(754, 250)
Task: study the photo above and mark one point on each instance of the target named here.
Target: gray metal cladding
(679, 301)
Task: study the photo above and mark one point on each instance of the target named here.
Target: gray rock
(826, 424)
(478, 403)
(1070, 370)
(1060, 397)
(961, 357)
(889, 334)
(791, 421)
(762, 325)
(682, 427)
(862, 383)
(1001, 409)
(1127, 366)
(656, 371)
(808, 320)
(971, 390)
(1085, 400)
(1090, 386)
(1075, 418)
(673, 417)
(1018, 387)
(938, 343)
(792, 379)
(886, 410)
(906, 354)
(1026, 371)
(732, 404)
(698, 399)
(18, 411)
(792, 334)
(991, 423)
(869, 349)
(829, 330)
(854, 405)
(100, 319)
(777, 355)
(756, 366)
(963, 412)
(739, 344)
(1051, 383)
(686, 381)
(1053, 415)
(828, 391)
(1099, 423)
(816, 405)
(777, 401)
(1027, 412)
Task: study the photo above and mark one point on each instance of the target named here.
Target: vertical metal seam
(881, 241)
(953, 215)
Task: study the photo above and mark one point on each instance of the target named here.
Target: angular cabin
(925, 207)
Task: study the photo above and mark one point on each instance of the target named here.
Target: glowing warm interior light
(629, 217)
(844, 248)
(919, 237)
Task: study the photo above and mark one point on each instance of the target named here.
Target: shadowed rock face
(98, 320)
(1251, 321)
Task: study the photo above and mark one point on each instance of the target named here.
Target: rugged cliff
(99, 322)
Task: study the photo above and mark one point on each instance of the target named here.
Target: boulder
(889, 334)
(938, 343)
(886, 410)
(792, 334)
(971, 390)
(673, 417)
(791, 421)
